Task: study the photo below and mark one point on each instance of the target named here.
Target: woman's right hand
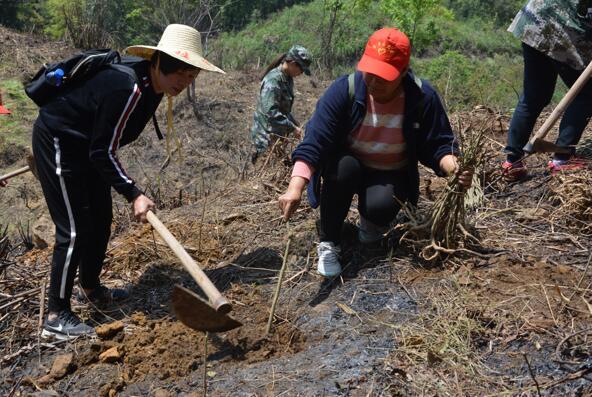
(3, 183)
(142, 205)
(290, 200)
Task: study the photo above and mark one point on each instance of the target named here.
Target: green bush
(258, 44)
(16, 127)
(465, 81)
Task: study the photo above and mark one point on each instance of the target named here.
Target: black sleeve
(113, 112)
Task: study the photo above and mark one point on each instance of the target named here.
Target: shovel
(190, 308)
(537, 143)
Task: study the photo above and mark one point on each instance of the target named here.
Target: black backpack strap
(351, 86)
(420, 105)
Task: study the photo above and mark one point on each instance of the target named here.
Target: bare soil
(514, 319)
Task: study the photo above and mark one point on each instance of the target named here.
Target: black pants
(540, 77)
(79, 202)
(376, 191)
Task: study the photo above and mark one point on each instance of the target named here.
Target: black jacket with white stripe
(103, 113)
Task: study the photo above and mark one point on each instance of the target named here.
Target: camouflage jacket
(273, 113)
(561, 29)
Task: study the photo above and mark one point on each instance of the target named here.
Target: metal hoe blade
(196, 313)
(542, 146)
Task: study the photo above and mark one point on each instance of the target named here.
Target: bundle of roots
(442, 230)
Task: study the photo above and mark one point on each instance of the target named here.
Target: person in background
(273, 114)
(75, 141)
(556, 40)
(367, 135)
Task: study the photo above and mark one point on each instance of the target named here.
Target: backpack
(45, 85)
(54, 79)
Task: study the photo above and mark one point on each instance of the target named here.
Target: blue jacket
(426, 128)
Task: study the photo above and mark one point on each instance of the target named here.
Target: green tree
(414, 17)
(500, 12)
(236, 14)
(22, 14)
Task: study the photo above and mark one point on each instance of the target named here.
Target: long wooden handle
(15, 173)
(218, 302)
(563, 104)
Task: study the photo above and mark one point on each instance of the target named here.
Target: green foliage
(465, 81)
(22, 14)
(236, 14)
(15, 128)
(409, 16)
(472, 37)
(259, 43)
(87, 23)
(498, 12)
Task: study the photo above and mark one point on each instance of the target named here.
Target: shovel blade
(542, 146)
(196, 313)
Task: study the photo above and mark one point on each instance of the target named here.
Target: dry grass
(443, 347)
(571, 195)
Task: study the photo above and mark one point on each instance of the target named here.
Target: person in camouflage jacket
(556, 40)
(273, 114)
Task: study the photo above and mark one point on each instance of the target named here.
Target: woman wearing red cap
(367, 135)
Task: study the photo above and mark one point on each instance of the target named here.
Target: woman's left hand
(465, 179)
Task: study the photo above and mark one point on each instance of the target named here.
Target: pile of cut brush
(572, 196)
(442, 230)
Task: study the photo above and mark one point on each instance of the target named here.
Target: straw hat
(181, 42)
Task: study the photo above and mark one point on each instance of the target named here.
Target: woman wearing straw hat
(273, 115)
(75, 142)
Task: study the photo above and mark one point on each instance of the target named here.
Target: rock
(107, 331)
(111, 355)
(162, 393)
(62, 366)
(43, 232)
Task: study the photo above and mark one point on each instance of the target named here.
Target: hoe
(537, 144)
(190, 308)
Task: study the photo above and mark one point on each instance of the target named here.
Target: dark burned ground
(513, 320)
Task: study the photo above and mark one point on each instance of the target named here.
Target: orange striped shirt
(379, 142)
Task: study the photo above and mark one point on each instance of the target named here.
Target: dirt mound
(11, 154)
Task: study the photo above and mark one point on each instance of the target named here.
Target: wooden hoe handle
(218, 302)
(15, 173)
(563, 104)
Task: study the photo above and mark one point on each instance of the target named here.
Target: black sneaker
(102, 296)
(67, 325)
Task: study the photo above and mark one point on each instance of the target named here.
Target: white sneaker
(328, 254)
(369, 232)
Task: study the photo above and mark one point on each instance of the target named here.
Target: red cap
(387, 54)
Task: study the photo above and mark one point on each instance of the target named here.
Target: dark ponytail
(274, 64)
